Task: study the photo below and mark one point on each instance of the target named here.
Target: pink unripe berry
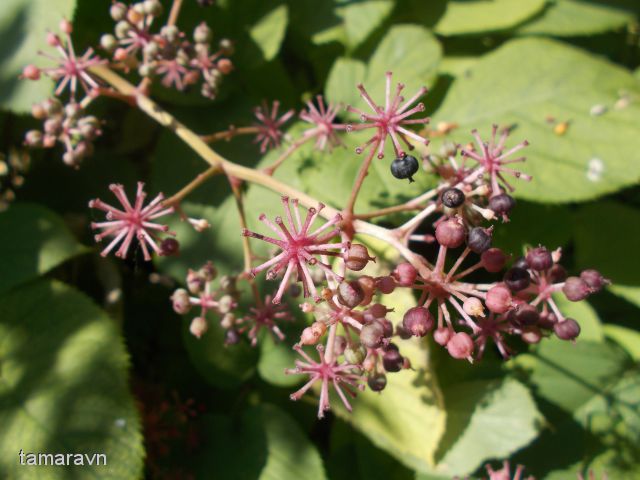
(53, 40)
(460, 346)
(386, 285)
(198, 326)
(493, 260)
(594, 280)
(350, 294)
(575, 289)
(313, 333)
(225, 66)
(31, 72)
(539, 258)
(450, 233)
(357, 257)
(498, 299)
(418, 321)
(405, 274)
(66, 26)
(568, 329)
(180, 300)
(442, 335)
(473, 306)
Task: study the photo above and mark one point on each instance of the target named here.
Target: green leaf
(64, 386)
(345, 74)
(362, 18)
(486, 419)
(526, 81)
(33, 241)
(23, 28)
(574, 17)
(274, 359)
(463, 17)
(626, 338)
(265, 444)
(268, 32)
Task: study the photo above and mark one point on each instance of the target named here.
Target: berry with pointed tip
(521, 262)
(568, 329)
(372, 335)
(539, 259)
(452, 197)
(368, 285)
(498, 299)
(418, 321)
(405, 167)
(517, 279)
(575, 289)
(460, 346)
(350, 294)
(377, 382)
(450, 233)
(594, 280)
(387, 327)
(392, 361)
(502, 204)
(479, 240)
(357, 257)
(493, 260)
(405, 274)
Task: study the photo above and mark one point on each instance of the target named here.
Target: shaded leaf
(269, 31)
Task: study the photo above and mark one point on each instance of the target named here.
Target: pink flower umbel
(265, 316)
(70, 70)
(492, 159)
(268, 125)
(505, 472)
(299, 247)
(326, 371)
(134, 221)
(324, 130)
(390, 120)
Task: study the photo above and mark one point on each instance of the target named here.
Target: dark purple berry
(521, 262)
(169, 247)
(387, 327)
(452, 197)
(372, 335)
(568, 329)
(526, 315)
(502, 204)
(517, 279)
(377, 382)
(392, 361)
(575, 289)
(350, 294)
(479, 240)
(547, 320)
(418, 321)
(594, 280)
(404, 167)
(557, 273)
(539, 259)
(402, 332)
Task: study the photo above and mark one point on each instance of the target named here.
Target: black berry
(377, 382)
(404, 167)
(539, 259)
(479, 240)
(502, 204)
(392, 361)
(169, 247)
(452, 198)
(517, 279)
(567, 329)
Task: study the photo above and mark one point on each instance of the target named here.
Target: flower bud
(460, 346)
(208, 271)
(498, 299)
(442, 335)
(312, 334)
(195, 282)
(226, 304)
(539, 259)
(405, 274)
(31, 72)
(418, 321)
(108, 42)
(228, 321)
(493, 260)
(225, 66)
(575, 289)
(198, 326)
(118, 11)
(33, 138)
(231, 337)
(153, 8)
(122, 29)
(181, 301)
(357, 257)
(450, 233)
(473, 306)
(202, 33)
(568, 329)
(350, 294)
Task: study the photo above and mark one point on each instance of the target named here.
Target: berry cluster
(12, 169)
(166, 54)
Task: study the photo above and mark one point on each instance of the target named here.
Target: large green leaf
(528, 80)
(23, 27)
(269, 31)
(464, 17)
(264, 444)
(576, 17)
(33, 241)
(64, 386)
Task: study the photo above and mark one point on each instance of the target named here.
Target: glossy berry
(392, 361)
(517, 279)
(479, 240)
(498, 299)
(417, 321)
(350, 294)
(452, 197)
(539, 259)
(404, 167)
(377, 382)
(576, 289)
(521, 262)
(502, 204)
(450, 233)
(460, 346)
(594, 280)
(493, 260)
(568, 329)
(169, 247)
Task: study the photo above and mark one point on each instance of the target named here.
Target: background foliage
(84, 340)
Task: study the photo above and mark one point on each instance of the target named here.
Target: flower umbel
(299, 247)
(324, 130)
(265, 316)
(389, 120)
(268, 125)
(133, 221)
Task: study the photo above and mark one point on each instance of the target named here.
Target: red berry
(442, 335)
(450, 233)
(460, 346)
(498, 299)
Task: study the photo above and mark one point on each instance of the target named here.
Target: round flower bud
(355, 354)
(53, 106)
(517, 279)
(575, 289)
(118, 11)
(225, 66)
(452, 197)
(473, 306)
(442, 335)
(568, 329)
(493, 260)
(479, 240)
(153, 8)
(198, 326)
(108, 42)
(312, 334)
(460, 346)
(594, 280)
(539, 259)
(228, 321)
(195, 282)
(418, 321)
(357, 257)
(502, 204)
(226, 46)
(450, 233)
(180, 301)
(392, 361)
(377, 382)
(33, 138)
(386, 285)
(169, 247)
(405, 167)
(405, 274)
(350, 294)
(122, 29)
(31, 72)
(372, 335)
(498, 299)
(202, 33)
